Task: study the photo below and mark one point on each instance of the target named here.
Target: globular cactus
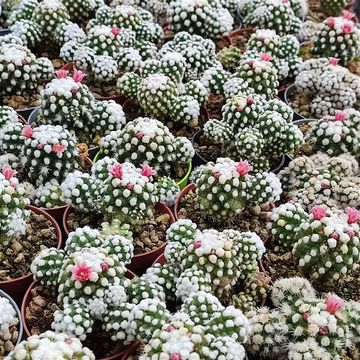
(142, 288)
(332, 7)
(8, 320)
(229, 57)
(48, 195)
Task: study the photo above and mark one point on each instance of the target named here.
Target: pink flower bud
(216, 175)
(147, 171)
(175, 356)
(306, 315)
(27, 131)
(58, 148)
(104, 266)
(319, 211)
(8, 173)
(169, 328)
(351, 233)
(69, 341)
(265, 57)
(340, 115)
(323, 330)
(325, 186)
(347, 15)
(347, 27)
(333, 61)
(78, 75)
(116, 170)
(353, 215)
(243, 167)
(130, 186)
(333, 303)
(116, 31)
(140, 134)
(330, 22)
(61, 74)
(334, 235)
(197, 244)
(250, 101)
(40, 146)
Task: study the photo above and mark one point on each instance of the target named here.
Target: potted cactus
(320, 179)
(25, 230)
(149, 140)
(322, 87)
(86, 292)
(225, 195)
(251, 127)
(303, 325)
(10, 324)
(24, 77)
(125, 196)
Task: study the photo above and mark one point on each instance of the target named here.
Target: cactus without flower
(8, 321)
(338, 37)
(332, 7)
(51, 344)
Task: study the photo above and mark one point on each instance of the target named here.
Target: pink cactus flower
(61, 74)
(140, 134)
(27, 131)
(319, 211)
(8, 173)
(81, 272)
(169, 328)
(104, 266)
(40, 146)
(340, 115)
(323, 330)
(333, 61)
(243, 167)
(216, 175)
(78, 75)
(325, 186)
(351, 233)
(251, 62)
(250, 101)
(343, 136)
(116, 171)
(334, 303)
(116, 31)
(347, 27)
(347, 15)
(69, 341)
(58, 148)
(353, 215)
(334, 235)
(175, 356)
(197, 244)
(265, 57)
(74, 90)
(147, 171)
(24, 62)
(130, 186)
(330, 22)
(306, 315)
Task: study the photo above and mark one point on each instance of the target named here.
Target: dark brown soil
(22, 102)
(222, 43)
(252, 219)
(279, 263)
(146, 238)
(102, 90)
(305, 51)
(40, 313)
(211, 150)
(301, 104)
(241, 40)
(214, 105)
(306, 149)
(58, 63)
(16, 257)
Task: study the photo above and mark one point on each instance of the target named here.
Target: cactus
(214, 80)
(338, 38)
(50, 343)
(142, 288)
(8, 320)
(229, 57)
(202, 17)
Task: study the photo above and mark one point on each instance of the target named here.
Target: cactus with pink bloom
(235, 188)
(325, 243)
(13, 202)
(338, 37)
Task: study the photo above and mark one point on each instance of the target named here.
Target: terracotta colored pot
(3, 294)
(242, 31)
(198, 159)
(27, 299)
(130, 351)
(17, 287)
(288, 93)
(139, 262)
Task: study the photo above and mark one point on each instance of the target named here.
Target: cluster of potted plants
(179, 180)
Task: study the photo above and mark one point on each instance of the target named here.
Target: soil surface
(214, 106)
(39, 315)
(241, 40)
(16, 257)
(148, 237)
(20, 102)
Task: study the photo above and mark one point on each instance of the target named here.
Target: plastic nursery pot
(4, 32)
(242, 31)
(198, 159)
(25, 113)
(17, 287)
(182, 194)
(26, 301)
(139, 262)
(130, 351)
(287, 95)
(32, 120)
(181, 183)
(3, 294)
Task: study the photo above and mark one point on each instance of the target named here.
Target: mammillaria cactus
(22, 71)
(236, 188)
(50, 152)
(13, 202)
(327, 85)
(146, 140)
(8, 321)
(338, 37)
(274, 15)
(48, 195)
(201, 17)
(332, 7)
(51, 345)
(334, 249)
